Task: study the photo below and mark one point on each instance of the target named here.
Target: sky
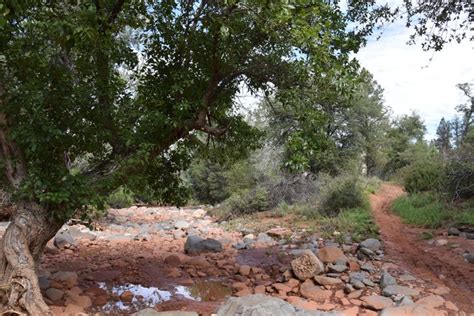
(416, 80)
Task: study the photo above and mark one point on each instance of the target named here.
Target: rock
(387, 279)
(469, 257)
(81, 232)
(431, 301)
(199, 213)
(54, 294)
(406, 278)
(126, 296)
(450, 305)
(43, 282)
(73, 309)
(244, 270)
(339, 268)
(180, 224)
(440, 242)
(307, 265)
(240, 246)
(368, 267)
(64, 239)
(411, 310)
(199, 262)
(371, 244)
(322, 280)
(406, 300)
(153, 312)
(66, 277)
(256, 305)
(263, 238)
(331, 254)
(121, 238)
(195, 244)
(376, 302)
(313, 292)
(299, 302)
(279, 232)
(441, 290)
(453, 231)
(399, 290)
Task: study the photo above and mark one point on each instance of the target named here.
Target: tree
(84, 112)
(443, 140)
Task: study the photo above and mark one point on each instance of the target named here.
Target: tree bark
(21, 249)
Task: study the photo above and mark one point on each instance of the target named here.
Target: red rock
(100, 300)
(412, 310)
(339, 294)
(326, 307)
(431, 301)
(356, 302)
(354, 266)
(279, 232)
(239, 286)
(450, 305)
(244, 270)
(311, 291)
(173, 260)
(293, 283)
(260, 289)
(344, 301)
(282, 287)
(376, 302)
(199, 262)
(331, 254)
(353, 311)
(302, 303)
(355, 294)
(243, 292)
(126, 296)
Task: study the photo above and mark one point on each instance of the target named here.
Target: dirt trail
(442, 266)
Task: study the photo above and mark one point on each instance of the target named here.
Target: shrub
(341, 193)
(246, 201)
(121, 198)
(423, 176)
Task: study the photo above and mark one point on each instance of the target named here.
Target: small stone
(376, 302)
(411, 310)
(279, 232)
(260, 289)
(469, 257)
(371, 244)
(331, 254)
(322, 280)
(399, 290)
(243, 292)
(195, 244)
(368, 267)
(173, 260)
(440, 242)
(407, 278)
(66, 277)
(180, 224)
(431, 301)
(450, 305)
(453, 231)
(54, 294)
(387, 279)
(441, 290)
(199, 261)
(244, 270)
(337, 268)
(126, 296)
(311, 291)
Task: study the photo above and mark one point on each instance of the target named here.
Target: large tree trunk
(21, 249)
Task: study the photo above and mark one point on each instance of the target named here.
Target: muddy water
(144, 297)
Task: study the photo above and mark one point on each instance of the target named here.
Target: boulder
(431, 301)
(81, 232)
(195, 244)
(453, 231)
(68, 278)
(307, 266)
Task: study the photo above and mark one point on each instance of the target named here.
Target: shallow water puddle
(150, 296)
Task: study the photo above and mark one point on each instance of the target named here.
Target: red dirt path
(441, 265)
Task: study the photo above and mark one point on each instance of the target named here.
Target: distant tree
(443, 140)
(457, 131)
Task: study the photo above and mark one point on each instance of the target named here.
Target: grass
(426, 210)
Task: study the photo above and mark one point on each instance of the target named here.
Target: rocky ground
(147, 260)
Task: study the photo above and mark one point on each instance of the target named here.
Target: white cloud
(418, 80)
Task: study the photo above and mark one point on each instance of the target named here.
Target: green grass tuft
(426, 210)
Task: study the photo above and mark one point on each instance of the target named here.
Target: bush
(423, 176)
(341, 193)
(121, 198)
(246, 201)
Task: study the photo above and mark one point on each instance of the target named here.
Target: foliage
(208, 182)
(427, 210)
(84, 117)
(423, 176)
(246, 201)
(341, 193)
(120, 198)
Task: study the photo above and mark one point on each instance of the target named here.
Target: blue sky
(416, 80)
